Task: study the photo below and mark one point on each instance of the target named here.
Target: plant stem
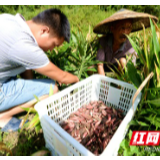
(80, 71)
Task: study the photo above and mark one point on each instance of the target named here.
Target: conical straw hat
(137, 17)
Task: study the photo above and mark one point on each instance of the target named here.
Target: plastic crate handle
(141, 87)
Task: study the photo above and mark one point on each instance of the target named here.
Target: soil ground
(23, 143)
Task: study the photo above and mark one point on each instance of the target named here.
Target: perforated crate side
(59, 106)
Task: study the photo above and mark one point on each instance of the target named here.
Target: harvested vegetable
(93, 125)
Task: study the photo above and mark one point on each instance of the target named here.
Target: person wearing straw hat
(114, 44)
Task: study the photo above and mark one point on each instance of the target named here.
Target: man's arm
(100, 69)
(55, 73)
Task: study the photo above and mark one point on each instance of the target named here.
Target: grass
(23, 143)
(79, 16)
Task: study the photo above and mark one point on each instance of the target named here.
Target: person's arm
(100, 69)
(34, 58)
(55, 73)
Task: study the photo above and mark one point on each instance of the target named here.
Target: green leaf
(92, 69)
(145, 48)
(136, 48)
(73, 62)
(63, 48)
(38, 128)
(142, 123)
(26, 117)
(134, 149)
(153, 110)
(51, 90)
(155, 41)
(146, 111)
(133, 123)
(153, 119)
(30, 110)
(158, 75)
(38, 100)
(81, 49)
(86, 75)
(123, 143)
(155, 102)
(93, 62)
(130, 134)
(126, 153)
(74, 37)
(75, 57)
(133, 74)
(34, 121)
(70, 69)
(138, 123)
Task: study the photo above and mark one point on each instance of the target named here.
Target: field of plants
(80, 54)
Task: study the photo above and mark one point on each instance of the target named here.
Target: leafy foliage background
(151, 9)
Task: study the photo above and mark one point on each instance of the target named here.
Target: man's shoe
(13, 125)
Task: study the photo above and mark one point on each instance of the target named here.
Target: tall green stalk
(82, 55)
(147, 116)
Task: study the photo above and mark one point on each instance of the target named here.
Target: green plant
(148, 111)
(35, 122)
(4, 148)
(83, 55)
(127, 150)
(149, 57)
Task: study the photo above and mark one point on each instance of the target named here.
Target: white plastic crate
(58, 107)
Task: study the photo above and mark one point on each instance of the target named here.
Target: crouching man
(22, 49)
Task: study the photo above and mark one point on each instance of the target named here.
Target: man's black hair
(55, 19)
